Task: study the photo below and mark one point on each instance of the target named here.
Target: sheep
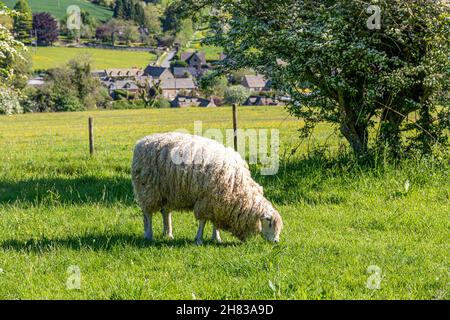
(176, 171)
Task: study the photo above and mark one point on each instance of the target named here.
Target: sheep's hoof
(198, 242)
(217, 240)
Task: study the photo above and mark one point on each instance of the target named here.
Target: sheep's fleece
(178, 171)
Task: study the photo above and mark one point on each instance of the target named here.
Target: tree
(109, 31)
(46, 28)
(130, 33)
(23, 22)
(69, 88)
(119, 10)
(11, 52)
(340, 67)
(236, 95)
(212, 85)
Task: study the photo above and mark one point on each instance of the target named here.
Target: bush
(125, 104)
(68, 103)
(236, 94)
(162, 103)
(9, 101)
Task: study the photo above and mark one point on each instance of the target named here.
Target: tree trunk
(357, 136)
(354, 129)
(390, 135)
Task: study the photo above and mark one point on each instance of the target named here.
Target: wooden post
(91, 135)
(235, 127)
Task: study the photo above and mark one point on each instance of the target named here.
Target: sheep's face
(271, 226)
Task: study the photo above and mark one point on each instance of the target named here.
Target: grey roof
(257, 81)
(178, 84)
(133, 72)
(122, 85)
(155, 71)
(180, 72)
(186, 56)
(183, 101)
(38, 81)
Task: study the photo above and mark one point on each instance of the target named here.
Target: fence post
(91, 136)
(235, 127)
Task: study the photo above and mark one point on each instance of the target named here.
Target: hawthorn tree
(340, 66)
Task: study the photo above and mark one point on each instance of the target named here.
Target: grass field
(60, 208)
(50, 57)
(58, 8)
(212, 53)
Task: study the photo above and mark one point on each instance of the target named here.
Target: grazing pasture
(61, 210)
(51, 57)
(58, 8)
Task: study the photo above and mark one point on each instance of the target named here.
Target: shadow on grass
(301, 180)
(68, 191)
(99, 242)
(312, 180)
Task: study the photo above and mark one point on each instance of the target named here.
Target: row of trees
(42, 26)
(150, 22)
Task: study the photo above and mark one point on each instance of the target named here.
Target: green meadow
(51, 57)
(352, 231)
(58, 8)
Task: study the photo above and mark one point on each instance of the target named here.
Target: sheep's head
(271, 225)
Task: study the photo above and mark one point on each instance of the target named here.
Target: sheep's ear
(267, 217)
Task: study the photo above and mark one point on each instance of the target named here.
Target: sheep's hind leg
(148, 226)
(167, 224)
(199, 237)
(216, 235)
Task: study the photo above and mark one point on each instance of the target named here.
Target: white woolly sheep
(177, 171)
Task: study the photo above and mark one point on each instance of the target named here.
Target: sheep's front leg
(199, 237)
(148, 229)
(216, 235)
(167, 224)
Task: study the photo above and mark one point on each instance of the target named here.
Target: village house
(122, 74)
(173, 87)
(256, 83)
(128, 86)
(197, 61)
(263, 101)
(158, 73)
(187, 101)
(186, 72)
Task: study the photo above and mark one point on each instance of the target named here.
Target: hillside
(58, 7)
(50, 57)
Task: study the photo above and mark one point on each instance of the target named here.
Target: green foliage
(11, 62)
(70, 88)
(212, 85)
(337, 69)
(23, 22)
(236, 95)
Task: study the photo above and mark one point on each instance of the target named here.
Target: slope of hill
(58, 8)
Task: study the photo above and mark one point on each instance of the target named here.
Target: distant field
(59, 7)
(61, 208)
(50, 57)
(211, 52)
